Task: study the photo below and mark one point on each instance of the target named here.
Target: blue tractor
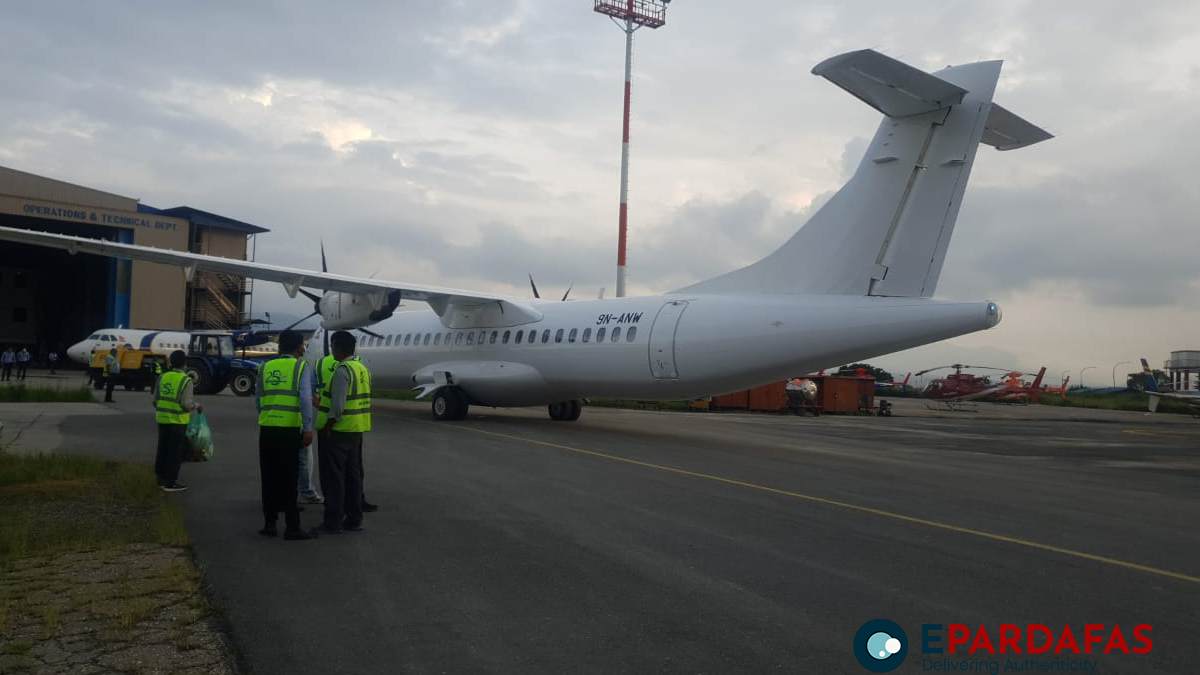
(213, 363)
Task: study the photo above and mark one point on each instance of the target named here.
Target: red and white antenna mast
(629, 15)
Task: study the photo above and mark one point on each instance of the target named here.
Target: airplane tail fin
(1064, 385)
(1151, 382)
(1151, 387)
(887, 230)
(1035, 390)
(904, 384)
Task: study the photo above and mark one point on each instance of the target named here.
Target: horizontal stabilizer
(1006, 131)
(893, 88)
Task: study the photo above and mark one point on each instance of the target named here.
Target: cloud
(468, 143)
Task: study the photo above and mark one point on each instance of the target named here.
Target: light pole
(1120, 363)
(268, 321)
(635, 14)
(1081, 372)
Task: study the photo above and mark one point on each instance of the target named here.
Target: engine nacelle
(344, 311)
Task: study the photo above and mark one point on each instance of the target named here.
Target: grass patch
(1120, 400)
(639, 405)
(20, 393)
(64, 503)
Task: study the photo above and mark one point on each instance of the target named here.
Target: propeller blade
(324, 267)
(371, 333)
(534, 287)
(564, 299)
(310, 295)
(302, 320)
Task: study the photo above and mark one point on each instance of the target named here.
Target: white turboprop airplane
(159, 342)
(853, 283)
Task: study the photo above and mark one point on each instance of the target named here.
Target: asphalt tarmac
(652, 542)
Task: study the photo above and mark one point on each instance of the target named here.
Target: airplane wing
(458, 308)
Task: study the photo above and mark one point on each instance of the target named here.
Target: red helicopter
(960, 387)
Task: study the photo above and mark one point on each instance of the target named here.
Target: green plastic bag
(199, 437)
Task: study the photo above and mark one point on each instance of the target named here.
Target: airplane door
(662, 340)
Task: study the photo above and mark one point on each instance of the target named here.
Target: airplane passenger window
(571, 335)
(545, 336)
(437, 339)
(520, 336)
(616, 334)
(533, 336)
(458, 339)
(407, 337)
(471, 338)
(504, 340)
(492, 340)
(482, 336)
(600, 334)
(631, 333)
(558, 336)
(447, 340)
(389, 341)
(587, 334)
(425, 342)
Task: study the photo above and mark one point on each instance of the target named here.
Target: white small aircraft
(1192, 400)
(853, 283)
(104, 339)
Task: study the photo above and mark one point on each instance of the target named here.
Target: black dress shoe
(297, 535)
(368, 507)
(269, 532)
(351, 527)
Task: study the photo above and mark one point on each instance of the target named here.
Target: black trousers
(169, 456)
(109, 382)
(339, 456)
(7, 372)
(279, 468)
(21, 368)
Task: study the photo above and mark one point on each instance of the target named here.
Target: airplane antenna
(629, 15)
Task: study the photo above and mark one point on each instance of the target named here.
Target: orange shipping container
(738, 399)
(769, 397)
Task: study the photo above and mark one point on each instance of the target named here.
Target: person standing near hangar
(285, 426)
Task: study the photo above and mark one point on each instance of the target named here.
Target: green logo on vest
(274, 378)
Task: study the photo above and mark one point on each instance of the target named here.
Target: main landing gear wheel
(566, 411)
(449, 404)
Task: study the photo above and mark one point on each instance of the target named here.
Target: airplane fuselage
(655, 348)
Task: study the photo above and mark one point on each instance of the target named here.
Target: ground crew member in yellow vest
(173, 404)
(285, 425)
(340, 456)
(324, 379)
(112, 368)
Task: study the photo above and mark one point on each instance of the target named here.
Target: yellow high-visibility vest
(325, 368)
(168, 394)
(356, 416)
(280, 402)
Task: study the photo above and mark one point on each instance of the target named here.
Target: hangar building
(50, 299)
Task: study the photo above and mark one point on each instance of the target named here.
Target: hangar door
(662, 340)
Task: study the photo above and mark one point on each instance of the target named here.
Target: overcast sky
(468, 143)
